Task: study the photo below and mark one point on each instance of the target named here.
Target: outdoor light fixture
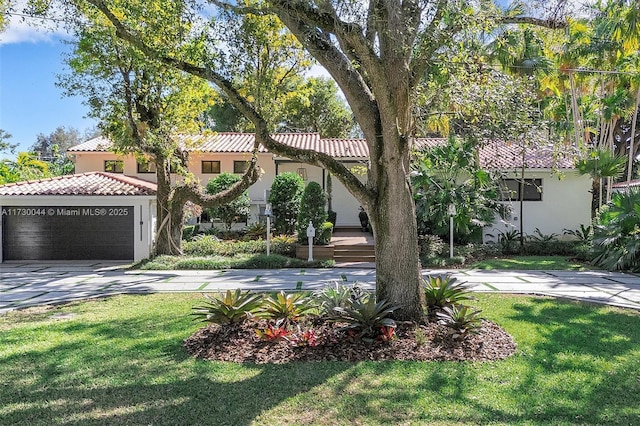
(302, 172)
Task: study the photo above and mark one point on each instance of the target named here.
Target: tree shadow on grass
(579, 367)
(126, 371)
(582, 368)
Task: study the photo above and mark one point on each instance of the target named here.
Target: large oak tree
(379, 52)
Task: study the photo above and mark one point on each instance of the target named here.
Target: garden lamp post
(311, 233)
(267, 213)
(452, 213)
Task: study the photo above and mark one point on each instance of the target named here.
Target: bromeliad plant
(288, 307)
(461, 320)
(338, 296)
(367, 318)
(274, 332)
(227, 308)
(441, 292)
(304, 337)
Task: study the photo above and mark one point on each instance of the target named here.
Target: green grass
(543, 263)
(120, 361)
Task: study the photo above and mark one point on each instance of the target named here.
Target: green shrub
(233, 211)
(286, 192)
(256, 230)
(209, 245)
(509, 241)
(549, 248)
(245, 261)
(475, 252)
(584, 252)
(324, 234)
(227, 308)
(204, 263)
(188, 231)
(430, 246)
(441, 291)
(616, 242)
(311, 210)
(539, 236)
(285, 245)
(584, 234)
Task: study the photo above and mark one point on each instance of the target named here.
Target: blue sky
(30, 103)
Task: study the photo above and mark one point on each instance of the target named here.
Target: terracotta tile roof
(91, 183)
(632, 184)
(504, 156)
(345, 148)
(496, 155)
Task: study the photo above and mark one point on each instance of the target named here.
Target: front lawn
(121, 361)
(541, 263)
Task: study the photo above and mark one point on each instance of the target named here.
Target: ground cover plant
(121, 361)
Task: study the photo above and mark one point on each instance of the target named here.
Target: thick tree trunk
(396, 240)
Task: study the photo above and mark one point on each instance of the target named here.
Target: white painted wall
(566, 204)
(144, 208)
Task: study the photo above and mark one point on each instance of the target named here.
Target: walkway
(25, 284)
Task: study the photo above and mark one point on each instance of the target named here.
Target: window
(114, 166)
(210, 167)
(240, 167)
(511, 190)
(146, 166)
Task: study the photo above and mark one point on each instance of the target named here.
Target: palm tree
(599, 164)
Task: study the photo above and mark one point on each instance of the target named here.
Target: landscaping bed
(424, 342)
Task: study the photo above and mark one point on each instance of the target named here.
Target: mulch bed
(428, 341)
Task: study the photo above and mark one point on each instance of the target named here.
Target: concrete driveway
(24, 284)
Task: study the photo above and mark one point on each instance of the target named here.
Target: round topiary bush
(233, 211)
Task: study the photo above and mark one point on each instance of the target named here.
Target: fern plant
(441, 292)
(460, 319)
(227, 308)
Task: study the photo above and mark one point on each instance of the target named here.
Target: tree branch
(546, 23)
(357, 188)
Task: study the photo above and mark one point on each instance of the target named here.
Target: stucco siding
(565, 204)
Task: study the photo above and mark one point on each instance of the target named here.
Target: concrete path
(25, 284)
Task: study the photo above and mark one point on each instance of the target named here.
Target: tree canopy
(380, 54)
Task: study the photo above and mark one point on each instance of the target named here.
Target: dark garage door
(67, 233)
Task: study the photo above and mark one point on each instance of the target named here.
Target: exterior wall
(94, 161)
(566, 204)
(144, 213)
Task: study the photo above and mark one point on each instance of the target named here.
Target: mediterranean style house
(556, 196)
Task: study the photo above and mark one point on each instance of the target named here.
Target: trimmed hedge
(210, 246)
(243, 261)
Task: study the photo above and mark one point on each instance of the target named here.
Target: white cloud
(22, 28)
